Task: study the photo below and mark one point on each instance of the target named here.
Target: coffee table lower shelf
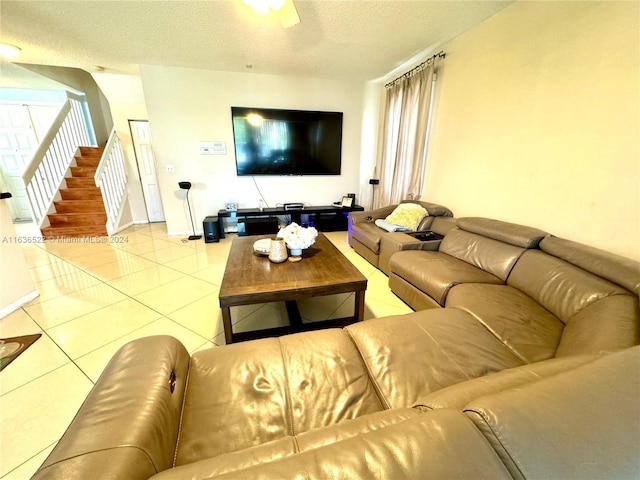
(295, 326)
(295, 322)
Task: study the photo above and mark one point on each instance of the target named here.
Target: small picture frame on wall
(347, 202)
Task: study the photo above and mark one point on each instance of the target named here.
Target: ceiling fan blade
(288, 14)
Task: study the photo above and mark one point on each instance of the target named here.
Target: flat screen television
(287, 142)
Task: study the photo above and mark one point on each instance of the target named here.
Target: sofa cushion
(251, 393)
(407, 215)
(424, 446)
(610, 323)
(459, 395)
(408, 356)
(582, 423)
(493, 256)
(289, 445)
(526, 328)
(435, 273)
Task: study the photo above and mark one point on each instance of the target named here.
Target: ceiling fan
(285, 10)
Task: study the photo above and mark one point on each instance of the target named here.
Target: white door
(147, 168)
(21, 128)
(18, 142)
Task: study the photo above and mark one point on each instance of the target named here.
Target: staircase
(81, 212)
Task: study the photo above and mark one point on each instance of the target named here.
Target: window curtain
(404, 142)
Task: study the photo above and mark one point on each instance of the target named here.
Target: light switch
(213, 148)
(169, 168)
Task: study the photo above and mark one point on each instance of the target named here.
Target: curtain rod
(416, 69)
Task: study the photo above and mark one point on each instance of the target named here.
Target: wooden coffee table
(250, 278)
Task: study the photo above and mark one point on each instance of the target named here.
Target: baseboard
(122, 227)
(12, 307)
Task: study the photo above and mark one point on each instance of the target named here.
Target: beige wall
(16, 285)
(126, 101)
(188, 106)
(537, 121)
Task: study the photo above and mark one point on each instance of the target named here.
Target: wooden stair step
(81, 193)
(79, 206)
(80, 182)
(74, 232)
(92, 162)
(77, 219)
(83, 172)
(91, 150)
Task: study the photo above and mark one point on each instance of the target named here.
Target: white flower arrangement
(297, 237)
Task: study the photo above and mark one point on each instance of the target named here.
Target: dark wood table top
(252, 278)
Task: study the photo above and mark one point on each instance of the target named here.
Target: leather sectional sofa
(521, 362)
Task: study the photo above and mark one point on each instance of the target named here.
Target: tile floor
(95, 297)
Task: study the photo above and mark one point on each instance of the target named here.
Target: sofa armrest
(128, 425)
(393, 242)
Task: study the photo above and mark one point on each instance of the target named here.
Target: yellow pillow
(408, 215)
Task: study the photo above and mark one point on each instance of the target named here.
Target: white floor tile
(16, 324)
(28, 468)
(42, 357)
(89, 332)
(38, 413)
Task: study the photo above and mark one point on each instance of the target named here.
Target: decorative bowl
(262, 246)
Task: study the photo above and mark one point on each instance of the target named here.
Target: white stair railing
(111, 178)
(51, 161)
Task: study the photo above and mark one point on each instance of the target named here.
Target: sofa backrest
(587, 289)
(581, 423)
(434, 209)
(440, 225)
(491, 245)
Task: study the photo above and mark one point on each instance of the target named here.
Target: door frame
(135, 155)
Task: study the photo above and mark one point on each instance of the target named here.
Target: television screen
(287, 142)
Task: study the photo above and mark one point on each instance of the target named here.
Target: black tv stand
(256, 221)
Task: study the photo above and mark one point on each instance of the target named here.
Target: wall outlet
(169, 168)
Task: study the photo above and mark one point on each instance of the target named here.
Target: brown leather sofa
(366, 238)
(531, 370)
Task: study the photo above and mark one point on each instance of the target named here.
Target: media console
(255, 221)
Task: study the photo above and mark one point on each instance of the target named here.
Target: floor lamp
(373, 182)
(187, 186)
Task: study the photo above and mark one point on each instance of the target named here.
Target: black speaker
(211, 229)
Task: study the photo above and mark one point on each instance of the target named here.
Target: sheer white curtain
(404, 143)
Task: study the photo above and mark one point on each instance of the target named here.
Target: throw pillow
(408, 215)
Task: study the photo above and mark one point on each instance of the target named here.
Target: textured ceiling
(356, 39)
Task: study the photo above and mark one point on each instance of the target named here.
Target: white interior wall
(537, 121)
(189, 106)
(126, 101)
(18, 287)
